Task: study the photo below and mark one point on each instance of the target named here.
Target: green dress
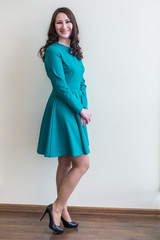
(61, 131)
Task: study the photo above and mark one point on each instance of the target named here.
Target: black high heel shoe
(69, 224)
(52, 225)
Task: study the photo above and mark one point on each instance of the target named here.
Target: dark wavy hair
(75, 49)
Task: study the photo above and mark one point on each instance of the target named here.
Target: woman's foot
(69, 224)
(56, 214)
(65, 215)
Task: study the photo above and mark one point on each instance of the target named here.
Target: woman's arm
(54, 69)
(84, 100)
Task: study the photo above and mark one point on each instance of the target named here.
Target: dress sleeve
(83, 87)
(55, 72)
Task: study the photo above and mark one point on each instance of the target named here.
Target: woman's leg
(80, 165)
(64, 165)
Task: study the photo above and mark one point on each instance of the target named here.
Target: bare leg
(80, 165)
(64, 165)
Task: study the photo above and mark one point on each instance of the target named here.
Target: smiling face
(63, 26)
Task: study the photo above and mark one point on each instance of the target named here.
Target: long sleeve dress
(61, 131)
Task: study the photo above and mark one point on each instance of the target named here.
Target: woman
(63, 132)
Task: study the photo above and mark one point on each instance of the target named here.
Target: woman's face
(63, 26)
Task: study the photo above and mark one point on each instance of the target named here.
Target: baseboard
(79, 210)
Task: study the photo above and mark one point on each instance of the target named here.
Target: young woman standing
(63, 131)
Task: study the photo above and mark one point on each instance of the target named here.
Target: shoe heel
(44, 214)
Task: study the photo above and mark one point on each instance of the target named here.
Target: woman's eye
(66, 22)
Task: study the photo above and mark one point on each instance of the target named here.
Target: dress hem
(54, 156)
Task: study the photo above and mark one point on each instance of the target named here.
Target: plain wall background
(120, 42)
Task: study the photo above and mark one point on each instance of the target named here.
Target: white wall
(120, 42)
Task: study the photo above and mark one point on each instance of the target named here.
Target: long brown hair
(75, 49)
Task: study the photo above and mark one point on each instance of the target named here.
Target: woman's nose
(64, 26)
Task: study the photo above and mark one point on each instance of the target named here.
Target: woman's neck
(65, 42)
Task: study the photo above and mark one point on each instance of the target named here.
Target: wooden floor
(27, 226)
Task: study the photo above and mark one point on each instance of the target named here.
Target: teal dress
(61, 131)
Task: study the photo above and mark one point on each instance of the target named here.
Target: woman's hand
(83, 121)
(86, 114)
